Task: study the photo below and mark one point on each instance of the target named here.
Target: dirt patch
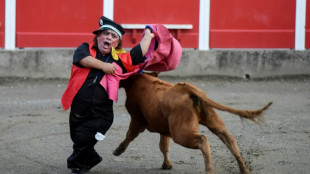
(34, 131)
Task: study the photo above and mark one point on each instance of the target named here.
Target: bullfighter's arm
(90, 62)
(146, 41)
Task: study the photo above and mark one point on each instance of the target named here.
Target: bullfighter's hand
(148, 33)
(109, 68)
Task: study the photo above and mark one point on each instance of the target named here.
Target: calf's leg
(185, 133)
(199, 142)
(135, 128)
(216, 125)
(164, 148)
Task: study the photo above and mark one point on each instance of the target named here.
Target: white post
(300, 26)
(10, 25)
(204, 24)
(108, 8)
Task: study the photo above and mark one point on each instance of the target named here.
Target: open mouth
(106, 44)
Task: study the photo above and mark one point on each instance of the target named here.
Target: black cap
(106, 23)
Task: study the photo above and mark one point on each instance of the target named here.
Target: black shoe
(93, 163)
(77, 171)
(80, 167)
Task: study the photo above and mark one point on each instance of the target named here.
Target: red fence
(160, 11)
(233, 24)
(252, 24)
(308, 25)
(56, 23)
(2, 23)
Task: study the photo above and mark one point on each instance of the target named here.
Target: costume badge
(99, 136)
(100, 22)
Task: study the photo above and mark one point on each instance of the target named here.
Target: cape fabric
(165, 57)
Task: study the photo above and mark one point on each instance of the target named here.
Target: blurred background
(197, 24)
(244, 38)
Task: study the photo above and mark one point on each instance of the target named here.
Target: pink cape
(166, 57)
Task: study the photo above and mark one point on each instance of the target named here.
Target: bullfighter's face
(106, 40)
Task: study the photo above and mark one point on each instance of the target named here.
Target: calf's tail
(253, 115)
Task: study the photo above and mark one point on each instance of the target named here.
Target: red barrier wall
(233, 24)
(159, 11)
(2, 12)
(56, 23)
(308, 25)
(252, 24)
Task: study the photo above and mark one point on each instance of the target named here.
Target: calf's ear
(154, 74)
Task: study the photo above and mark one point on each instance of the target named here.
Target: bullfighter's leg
(135, 128)
(164, 148)
(216, 125)
(185, 133)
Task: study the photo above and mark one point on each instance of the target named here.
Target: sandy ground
(34, 131)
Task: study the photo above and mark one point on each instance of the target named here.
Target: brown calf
(176, 111)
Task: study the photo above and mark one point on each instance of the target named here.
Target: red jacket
(79, 75)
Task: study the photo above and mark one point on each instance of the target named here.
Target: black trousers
(83, 129)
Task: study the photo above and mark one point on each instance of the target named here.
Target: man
(91, 112)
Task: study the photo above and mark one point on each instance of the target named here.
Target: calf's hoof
(210, 171)
(245, 171)
(117, 153)
(166, 166)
